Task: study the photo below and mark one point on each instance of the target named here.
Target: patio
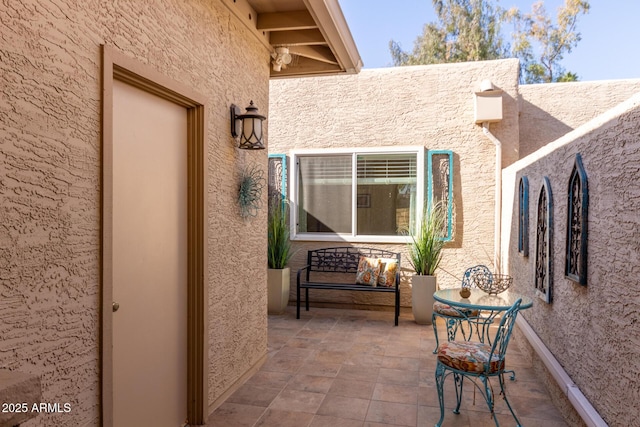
(344, 368)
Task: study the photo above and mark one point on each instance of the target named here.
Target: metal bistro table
(489, 306)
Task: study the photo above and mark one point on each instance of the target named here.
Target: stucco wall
(50, 174)
(549, 111)
(430, 106)
(592, 330)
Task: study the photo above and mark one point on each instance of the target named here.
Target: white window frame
(354, 152)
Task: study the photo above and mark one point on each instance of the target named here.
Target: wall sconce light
(248, 127)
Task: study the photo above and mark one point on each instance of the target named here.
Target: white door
(149, 259)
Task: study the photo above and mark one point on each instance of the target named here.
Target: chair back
(467, 279)
(501, 340)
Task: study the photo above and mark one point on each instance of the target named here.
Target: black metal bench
(342, 260)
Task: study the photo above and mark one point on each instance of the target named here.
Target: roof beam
(307, 66)
(281, 21)
(297, 37)
(318, 53)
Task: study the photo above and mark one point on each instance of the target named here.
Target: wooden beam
(281, 21)
(297, 37)
(306, 66)
(318, 53)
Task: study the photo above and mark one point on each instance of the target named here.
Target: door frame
(116, 66)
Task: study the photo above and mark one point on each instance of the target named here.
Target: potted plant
(279, 253)
(425, 254)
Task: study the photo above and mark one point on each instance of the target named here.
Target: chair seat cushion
(447, 310)
(469, 356)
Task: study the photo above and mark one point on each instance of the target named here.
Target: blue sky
(609, 48)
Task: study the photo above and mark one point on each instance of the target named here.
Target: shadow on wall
(538, 128)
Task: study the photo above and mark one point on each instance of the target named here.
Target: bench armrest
(306, 267)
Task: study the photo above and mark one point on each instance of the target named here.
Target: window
(357, 195)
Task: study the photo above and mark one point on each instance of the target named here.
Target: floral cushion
(368, 271)
(388, 270)
(447, 310)
(469, 356)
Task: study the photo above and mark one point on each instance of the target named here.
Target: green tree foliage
(536, 32)
(467, 30)
(470, 30)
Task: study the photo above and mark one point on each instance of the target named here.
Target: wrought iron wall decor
(577, 207)
(440, 185)
(250, 192)
(277, 178)
(544, 243)
(523, 216)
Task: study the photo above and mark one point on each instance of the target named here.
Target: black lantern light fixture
(248, 127)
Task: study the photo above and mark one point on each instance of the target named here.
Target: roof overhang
(315, 33)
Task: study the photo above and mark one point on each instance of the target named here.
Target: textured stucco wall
(50, 104)
(593, 330)
(549, 111)
(430, 106)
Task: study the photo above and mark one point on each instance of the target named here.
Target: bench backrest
(343, 259)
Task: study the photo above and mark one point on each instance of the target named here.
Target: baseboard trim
(579, 401)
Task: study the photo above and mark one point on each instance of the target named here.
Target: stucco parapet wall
(600, 122)
(428, 105)
(585, 325)
(549, 111)
(509, 173)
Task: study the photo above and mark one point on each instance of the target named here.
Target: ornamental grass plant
(425, 248)
(279, 246)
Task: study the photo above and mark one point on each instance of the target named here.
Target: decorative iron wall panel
(440, 185)
(544, 243)
(577, 207)
(523, 216)
(277, 178)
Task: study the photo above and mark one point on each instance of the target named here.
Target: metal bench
(342, 260)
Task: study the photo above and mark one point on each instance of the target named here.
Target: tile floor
(353, 368)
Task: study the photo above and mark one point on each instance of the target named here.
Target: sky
(609, 49)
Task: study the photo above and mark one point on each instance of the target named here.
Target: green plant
(425, 249)
(279, 245)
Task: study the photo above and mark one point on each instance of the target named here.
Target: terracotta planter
(422, 289)
(277, 290)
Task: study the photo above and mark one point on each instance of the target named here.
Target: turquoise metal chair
(477, 362)
(457, 319)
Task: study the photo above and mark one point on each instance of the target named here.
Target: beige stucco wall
(430, 106)
(549, 111)
(50, 103)
(593, 331)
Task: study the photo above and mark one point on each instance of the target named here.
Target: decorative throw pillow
(368, 271)
(388, 270)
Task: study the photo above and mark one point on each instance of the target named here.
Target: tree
(553, 41)
(467, 30)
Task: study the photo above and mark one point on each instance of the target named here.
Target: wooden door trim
(116, 66)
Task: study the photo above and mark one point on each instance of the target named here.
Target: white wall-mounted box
(488, 106)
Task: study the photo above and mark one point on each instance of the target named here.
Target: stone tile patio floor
(353, 368)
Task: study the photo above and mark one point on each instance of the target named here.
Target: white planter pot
(277, 290)
(422, 289)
